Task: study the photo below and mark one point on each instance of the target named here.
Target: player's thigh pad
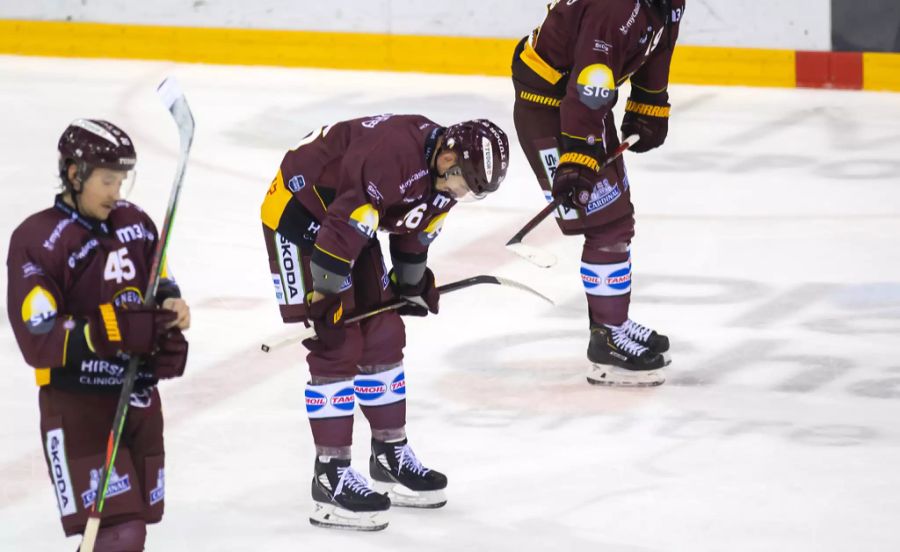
(384, 337)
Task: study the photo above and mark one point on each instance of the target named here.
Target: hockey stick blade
(446, 288)
(173, 99)
(539, 257)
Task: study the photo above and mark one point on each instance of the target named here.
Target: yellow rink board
(382, 52)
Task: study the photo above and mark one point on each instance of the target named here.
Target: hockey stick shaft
(393, 305)
(173, 98)
(553, 205)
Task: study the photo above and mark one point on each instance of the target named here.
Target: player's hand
(422, 297)
(326, 312)
(170, 359)
(649, 119)
(134, 329)
(573, 184)
(181, 310)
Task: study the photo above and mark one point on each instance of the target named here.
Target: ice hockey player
(566, 76)
(396, 173)
(77, 273)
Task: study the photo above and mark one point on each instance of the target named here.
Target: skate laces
(353, 481)
(636, 331)
(624, 341)
(407, 458)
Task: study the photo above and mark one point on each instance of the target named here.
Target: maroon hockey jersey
(586, 49)
(345, 181)
(61, 267)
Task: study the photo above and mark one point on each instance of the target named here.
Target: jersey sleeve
(167, 287)
(598, 59)
(409, 258)
(35, 303)
(369, 185)
(653, 77)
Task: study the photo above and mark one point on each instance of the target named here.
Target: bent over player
(566, 76)
(396, 173)
(77, 272)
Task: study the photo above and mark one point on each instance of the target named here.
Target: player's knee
(597, 251)
(122, 537)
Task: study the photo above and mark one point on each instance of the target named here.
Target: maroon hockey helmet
(91, 143)
(483, 151)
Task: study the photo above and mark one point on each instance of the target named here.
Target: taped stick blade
(169, 92)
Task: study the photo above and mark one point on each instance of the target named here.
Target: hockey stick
(545, 259)
(173, 98)
(393, 305)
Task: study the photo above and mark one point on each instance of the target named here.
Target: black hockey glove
(422, 297)
(647, 115)
(327, 317)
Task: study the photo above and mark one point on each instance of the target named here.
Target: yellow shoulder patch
(39, 310)
(365, 219)
(276, 200)
(433, 230)
(596, 86)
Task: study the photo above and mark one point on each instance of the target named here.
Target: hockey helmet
(483, 151)
(91, 143)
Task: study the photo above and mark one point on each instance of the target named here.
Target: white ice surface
(767, 248)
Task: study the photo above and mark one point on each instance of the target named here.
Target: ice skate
(396, 470)
(620, 361)
(656, 342)
(344, 500)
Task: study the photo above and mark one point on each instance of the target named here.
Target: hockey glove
(135, 329)
(327, 317)
(171, 358)
(575, 179)
(422, 298)
(647, 115)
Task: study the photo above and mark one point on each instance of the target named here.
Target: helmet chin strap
(81, 174)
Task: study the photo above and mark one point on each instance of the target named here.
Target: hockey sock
(330, 410)
(382, 398)
(606, 276)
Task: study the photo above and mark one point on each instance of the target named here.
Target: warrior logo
(59, 471)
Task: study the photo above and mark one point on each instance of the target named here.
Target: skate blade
(334, 517)
(401, 495)
(613, 376)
